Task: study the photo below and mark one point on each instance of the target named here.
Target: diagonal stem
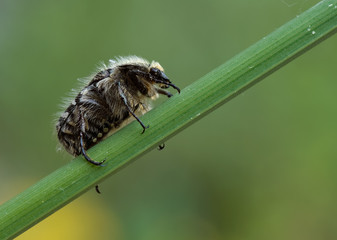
(195, 101)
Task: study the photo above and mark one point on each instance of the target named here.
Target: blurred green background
(263, 166)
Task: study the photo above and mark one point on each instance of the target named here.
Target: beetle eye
(155, 71)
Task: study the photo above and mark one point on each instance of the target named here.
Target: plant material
(194, 102)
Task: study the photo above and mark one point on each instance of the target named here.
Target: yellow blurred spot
(85, 218)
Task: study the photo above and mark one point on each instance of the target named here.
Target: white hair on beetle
(119, 61)
(117, 94)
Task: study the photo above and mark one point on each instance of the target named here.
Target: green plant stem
(195, 101)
